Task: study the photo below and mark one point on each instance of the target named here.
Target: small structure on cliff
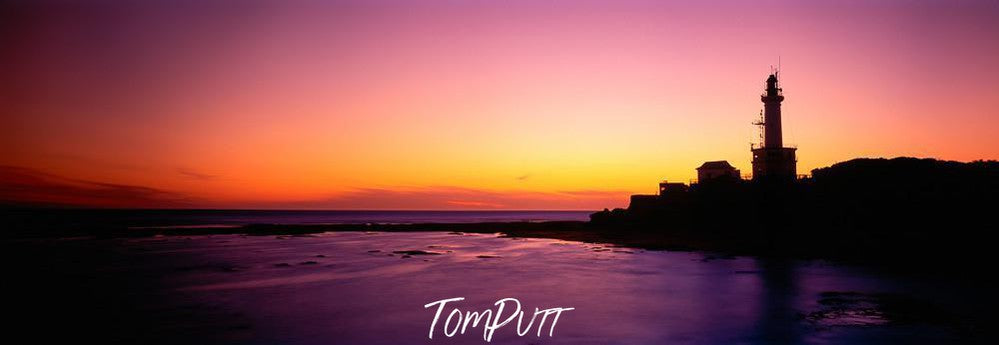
(668, 188)
(716, 170)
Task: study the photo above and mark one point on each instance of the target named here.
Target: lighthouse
(771, 160)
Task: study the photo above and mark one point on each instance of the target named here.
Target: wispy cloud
(593, 193)
(474, 204)
(25, 186)
(196, 175)
(454, 198)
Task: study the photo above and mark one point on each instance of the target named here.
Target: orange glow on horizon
(475, 106)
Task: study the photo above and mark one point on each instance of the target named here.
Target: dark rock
(416, 252)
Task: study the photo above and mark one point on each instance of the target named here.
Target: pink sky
(468, 104)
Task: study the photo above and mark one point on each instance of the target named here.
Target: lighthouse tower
(771, 160)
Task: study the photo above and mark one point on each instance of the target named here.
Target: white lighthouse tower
(771, 160)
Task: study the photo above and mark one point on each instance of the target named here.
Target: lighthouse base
(774, 163)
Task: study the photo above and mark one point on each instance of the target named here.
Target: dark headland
(872, 209)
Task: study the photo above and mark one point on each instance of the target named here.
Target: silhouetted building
(715, 170)
(772, 160)
(719, 179)
(671, 187)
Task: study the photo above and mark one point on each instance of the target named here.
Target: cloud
(29, 187)
(196, 175)
(474, 204)
(458, 198)
(590, 193)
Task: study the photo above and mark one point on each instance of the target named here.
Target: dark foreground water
(371, 288)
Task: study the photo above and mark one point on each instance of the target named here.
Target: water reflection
(778, 320)
(370, 288)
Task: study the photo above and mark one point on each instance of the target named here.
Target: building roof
(716, 165)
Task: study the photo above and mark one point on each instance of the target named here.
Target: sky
(468, 104)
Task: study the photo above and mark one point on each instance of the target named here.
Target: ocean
(370, 287)
(373, 288)
(46, 220)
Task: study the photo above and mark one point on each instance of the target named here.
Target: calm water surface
(350, 288)
(50, 218)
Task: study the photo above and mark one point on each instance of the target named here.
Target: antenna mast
(761, 125)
